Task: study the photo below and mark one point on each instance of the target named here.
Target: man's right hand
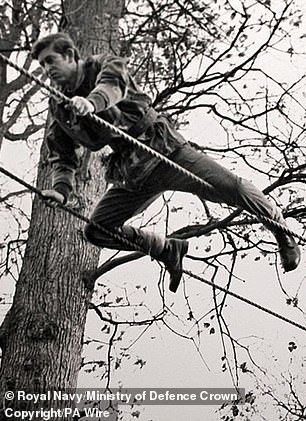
(54, 195)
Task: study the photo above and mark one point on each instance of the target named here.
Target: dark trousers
(120, 204)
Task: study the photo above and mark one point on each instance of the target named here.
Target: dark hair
(60, 42)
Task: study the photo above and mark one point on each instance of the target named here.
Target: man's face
(60, 68)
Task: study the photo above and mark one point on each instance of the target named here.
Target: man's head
(58, 56)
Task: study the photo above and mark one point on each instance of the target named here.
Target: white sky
(172, 361)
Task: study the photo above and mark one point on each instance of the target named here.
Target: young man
(103, 85)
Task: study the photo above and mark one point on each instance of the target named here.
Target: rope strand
(117, 236)
(114, 234)
(245, 300)
(59, 95)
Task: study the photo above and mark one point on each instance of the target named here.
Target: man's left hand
(81, 105)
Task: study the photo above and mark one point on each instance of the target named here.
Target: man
(103, 85)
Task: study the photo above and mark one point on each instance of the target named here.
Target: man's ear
(70, 54)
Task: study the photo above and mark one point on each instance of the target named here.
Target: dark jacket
(107, 83)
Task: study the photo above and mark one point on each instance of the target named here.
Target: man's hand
(54, 197)
(81, 105)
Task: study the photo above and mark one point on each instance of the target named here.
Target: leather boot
(172, 257)
(289, 251)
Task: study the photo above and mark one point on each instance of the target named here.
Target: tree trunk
(41, 336)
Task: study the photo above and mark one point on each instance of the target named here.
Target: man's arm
(63, 160)
(111, 83)
(110, 88)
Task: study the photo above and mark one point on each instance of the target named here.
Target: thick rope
(114, 233)
(246, 300)
(59, 95)
(135, 246)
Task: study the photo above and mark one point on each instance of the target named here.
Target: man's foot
(172, 257)
(289, 251)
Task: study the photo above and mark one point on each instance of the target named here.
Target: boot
(289, 251)
(172, 256)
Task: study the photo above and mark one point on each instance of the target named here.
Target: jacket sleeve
(111, 83)
(62, 159)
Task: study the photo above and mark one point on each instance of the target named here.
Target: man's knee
(90, 233)
(99, 235)
(235, 191)
(246, 188)
(253, 200)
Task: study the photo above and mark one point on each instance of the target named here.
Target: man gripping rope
(102, 85)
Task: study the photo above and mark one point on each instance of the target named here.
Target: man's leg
(235, 191)
(114, 209)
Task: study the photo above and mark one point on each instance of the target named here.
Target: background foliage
(231, 76)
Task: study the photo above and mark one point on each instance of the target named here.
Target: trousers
(120, 204)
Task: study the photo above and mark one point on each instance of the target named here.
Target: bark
(41, 336)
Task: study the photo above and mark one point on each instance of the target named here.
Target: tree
(42, 334)
(189, 56)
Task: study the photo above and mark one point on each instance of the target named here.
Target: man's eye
(48, 60)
